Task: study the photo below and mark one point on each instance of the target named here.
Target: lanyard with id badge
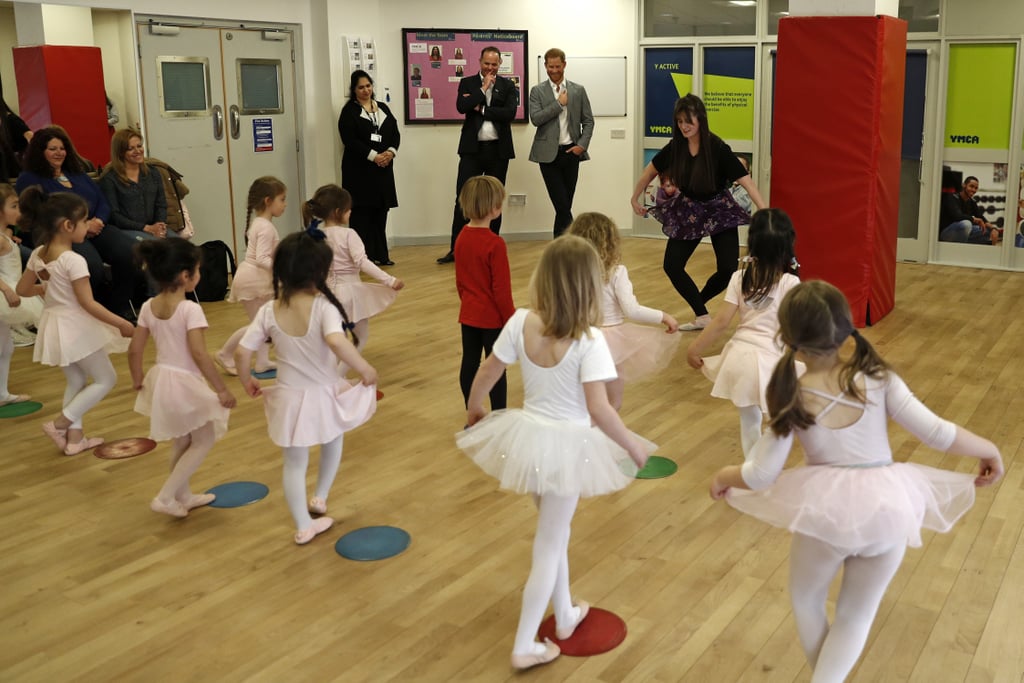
(375, 136)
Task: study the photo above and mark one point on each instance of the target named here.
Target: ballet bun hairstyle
(481, 195)
(166, 260)
(302, 261)
(565, 289)
(600, 231)
(815, 319)
(42, 214)
(327, 201)
(770, 244)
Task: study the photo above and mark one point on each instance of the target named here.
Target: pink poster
(437, 59)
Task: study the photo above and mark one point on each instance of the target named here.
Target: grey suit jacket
(544, 112)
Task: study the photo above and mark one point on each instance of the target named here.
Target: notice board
(436, 59)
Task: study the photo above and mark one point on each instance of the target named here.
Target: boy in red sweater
(483, 281)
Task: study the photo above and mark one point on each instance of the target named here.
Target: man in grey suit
(565, 124)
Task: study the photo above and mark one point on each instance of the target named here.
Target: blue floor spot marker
(266, 374)
(20, 409)
(238, 493)
(373, 543)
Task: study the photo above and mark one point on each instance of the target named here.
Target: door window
(184, 85)
(259, 86)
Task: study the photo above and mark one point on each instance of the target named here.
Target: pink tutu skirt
(363, 300)
(853, 508)
(27, 312)
(683, 218)
(530, 453)
(310, 416)
(178, 402)
(741, 373)
(68, 334)
(251, 282)
(639, 350)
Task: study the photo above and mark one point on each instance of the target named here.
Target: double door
(219, 106)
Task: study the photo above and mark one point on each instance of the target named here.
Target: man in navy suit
(489, 103)
(565, 123)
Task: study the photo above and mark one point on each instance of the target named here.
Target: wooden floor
(95, 587)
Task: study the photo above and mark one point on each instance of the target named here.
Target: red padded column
(63, 84)
(836, 151)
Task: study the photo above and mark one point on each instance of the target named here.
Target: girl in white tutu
(361, 300)
(549, 448)
(181, 406)
(637, 350)
(742, 371)
(75, 332)
(253, 284)
(851, 507)
(14, 310)
(311, 404)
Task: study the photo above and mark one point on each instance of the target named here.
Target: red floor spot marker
(600, 632)
(124, 448)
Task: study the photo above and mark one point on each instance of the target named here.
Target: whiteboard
(604, 79)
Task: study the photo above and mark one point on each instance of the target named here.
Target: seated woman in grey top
(134, 190)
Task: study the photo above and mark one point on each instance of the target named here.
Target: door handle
(236, 121)
(218, 122)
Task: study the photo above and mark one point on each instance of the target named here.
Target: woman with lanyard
(370, 134)
(703, 167)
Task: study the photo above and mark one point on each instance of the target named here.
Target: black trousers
(370, 223)
(476, 341)
(678, 252)
(487, 161)
(560, 180)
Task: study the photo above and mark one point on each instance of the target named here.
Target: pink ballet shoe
(523, 662)
(58, 436)
(226, 368)
(565, 632)
(318, 506)
(198, 500)
(86, 444)
(319, 525)
(174, 508)
(14, 398)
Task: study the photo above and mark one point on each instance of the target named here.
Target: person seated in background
(962, 220)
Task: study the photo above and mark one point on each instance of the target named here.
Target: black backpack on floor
(217, 263)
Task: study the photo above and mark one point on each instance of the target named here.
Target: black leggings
(476, 341)
(727, 254)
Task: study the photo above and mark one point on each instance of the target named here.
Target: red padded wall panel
(63, 84)
(836, 151)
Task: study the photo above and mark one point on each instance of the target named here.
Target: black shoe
(447, 258)
(389, 262)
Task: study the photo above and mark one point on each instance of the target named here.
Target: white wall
(8, 38)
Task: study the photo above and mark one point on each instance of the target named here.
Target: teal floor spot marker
(373, 543)
(266, 374)
(657, 467)
(20, 409)
(238, 493)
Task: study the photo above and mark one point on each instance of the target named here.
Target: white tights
(833, 650)
(262, 356)
(6, 353)
(549, 574)
(750, 428)
(80, 397)
(296, 461)
(187, 454)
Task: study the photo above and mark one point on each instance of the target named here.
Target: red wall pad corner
(63, 85)
(836, 151)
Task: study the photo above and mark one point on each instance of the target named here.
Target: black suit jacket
(501, 112)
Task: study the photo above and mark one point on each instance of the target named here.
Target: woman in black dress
(703, 168)
(370, 134)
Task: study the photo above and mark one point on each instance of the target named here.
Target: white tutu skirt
(530, 453)
(853, 508)
(363, 300)
(67, 334)
(310, 416)
(251, 282)
(639, 350)
(178, 402)
(27, 312)
(741, 373)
